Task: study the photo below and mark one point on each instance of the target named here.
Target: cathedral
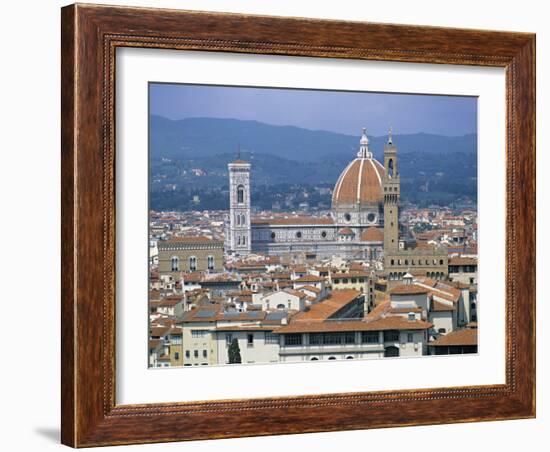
(363, 223)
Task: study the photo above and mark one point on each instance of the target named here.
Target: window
(393, 262)
(316, 338)
(391, 336)
(271, 338)
(332, 358)
(336, 281)
(299, 235)
(314, 359)
(347, 217)
(177, 356)
(192, 263)
(349, 337)
(324, 234)
(345, 280)
(175, 264)
(187, 354)
(440, 261)
(442, 330)
(410, 337)
(272, 235)
(196, 353)
(250, 340)
(390, 167)
(228, 339)
(293, 339)
(204, 354)
(196, 334)
(370, 337)
(210, 262)
(240, 194)
(353, 280)
(371, 217)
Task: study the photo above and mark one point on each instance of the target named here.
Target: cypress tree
(234, 352)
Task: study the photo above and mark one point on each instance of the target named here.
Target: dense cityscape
(323, 272)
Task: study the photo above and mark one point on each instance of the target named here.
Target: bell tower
(391, 187)
(239, 208)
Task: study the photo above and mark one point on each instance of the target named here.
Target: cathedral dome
(361, 181)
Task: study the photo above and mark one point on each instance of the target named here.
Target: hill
(206, 137)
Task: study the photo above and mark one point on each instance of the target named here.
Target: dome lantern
(364, 151)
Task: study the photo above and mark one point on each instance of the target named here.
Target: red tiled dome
(360, 182)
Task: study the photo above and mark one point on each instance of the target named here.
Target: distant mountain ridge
(205, 137)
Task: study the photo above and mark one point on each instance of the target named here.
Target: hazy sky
(336, 111)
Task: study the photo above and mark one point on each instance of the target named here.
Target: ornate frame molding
(90, 37)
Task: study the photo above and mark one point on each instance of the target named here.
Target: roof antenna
(239, 151)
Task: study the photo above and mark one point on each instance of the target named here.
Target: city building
(363, 223)
(190, 254)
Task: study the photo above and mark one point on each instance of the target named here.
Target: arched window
(390, 167)
(349, 357)
(331, 358)
(244, 240)
(192, 263)
(240, 194)
(239, 240)
(175, 264)
(280, 306)
(210, 261)
(242, 219)
(238, 220)
(314, 359)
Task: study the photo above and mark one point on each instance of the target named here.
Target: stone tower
(239, 208)
(391, 188)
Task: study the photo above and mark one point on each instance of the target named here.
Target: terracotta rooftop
(441, 307)
(311, 289)
(408, 289)
(345, 231)
(309, 278)
(372, 234)
(462, 261)
(324, 309)
(467, 336)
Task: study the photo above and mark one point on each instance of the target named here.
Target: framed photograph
(282, 225)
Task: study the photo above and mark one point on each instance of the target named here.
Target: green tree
(234, 352)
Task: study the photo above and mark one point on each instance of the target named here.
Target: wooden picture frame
(90, 36)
